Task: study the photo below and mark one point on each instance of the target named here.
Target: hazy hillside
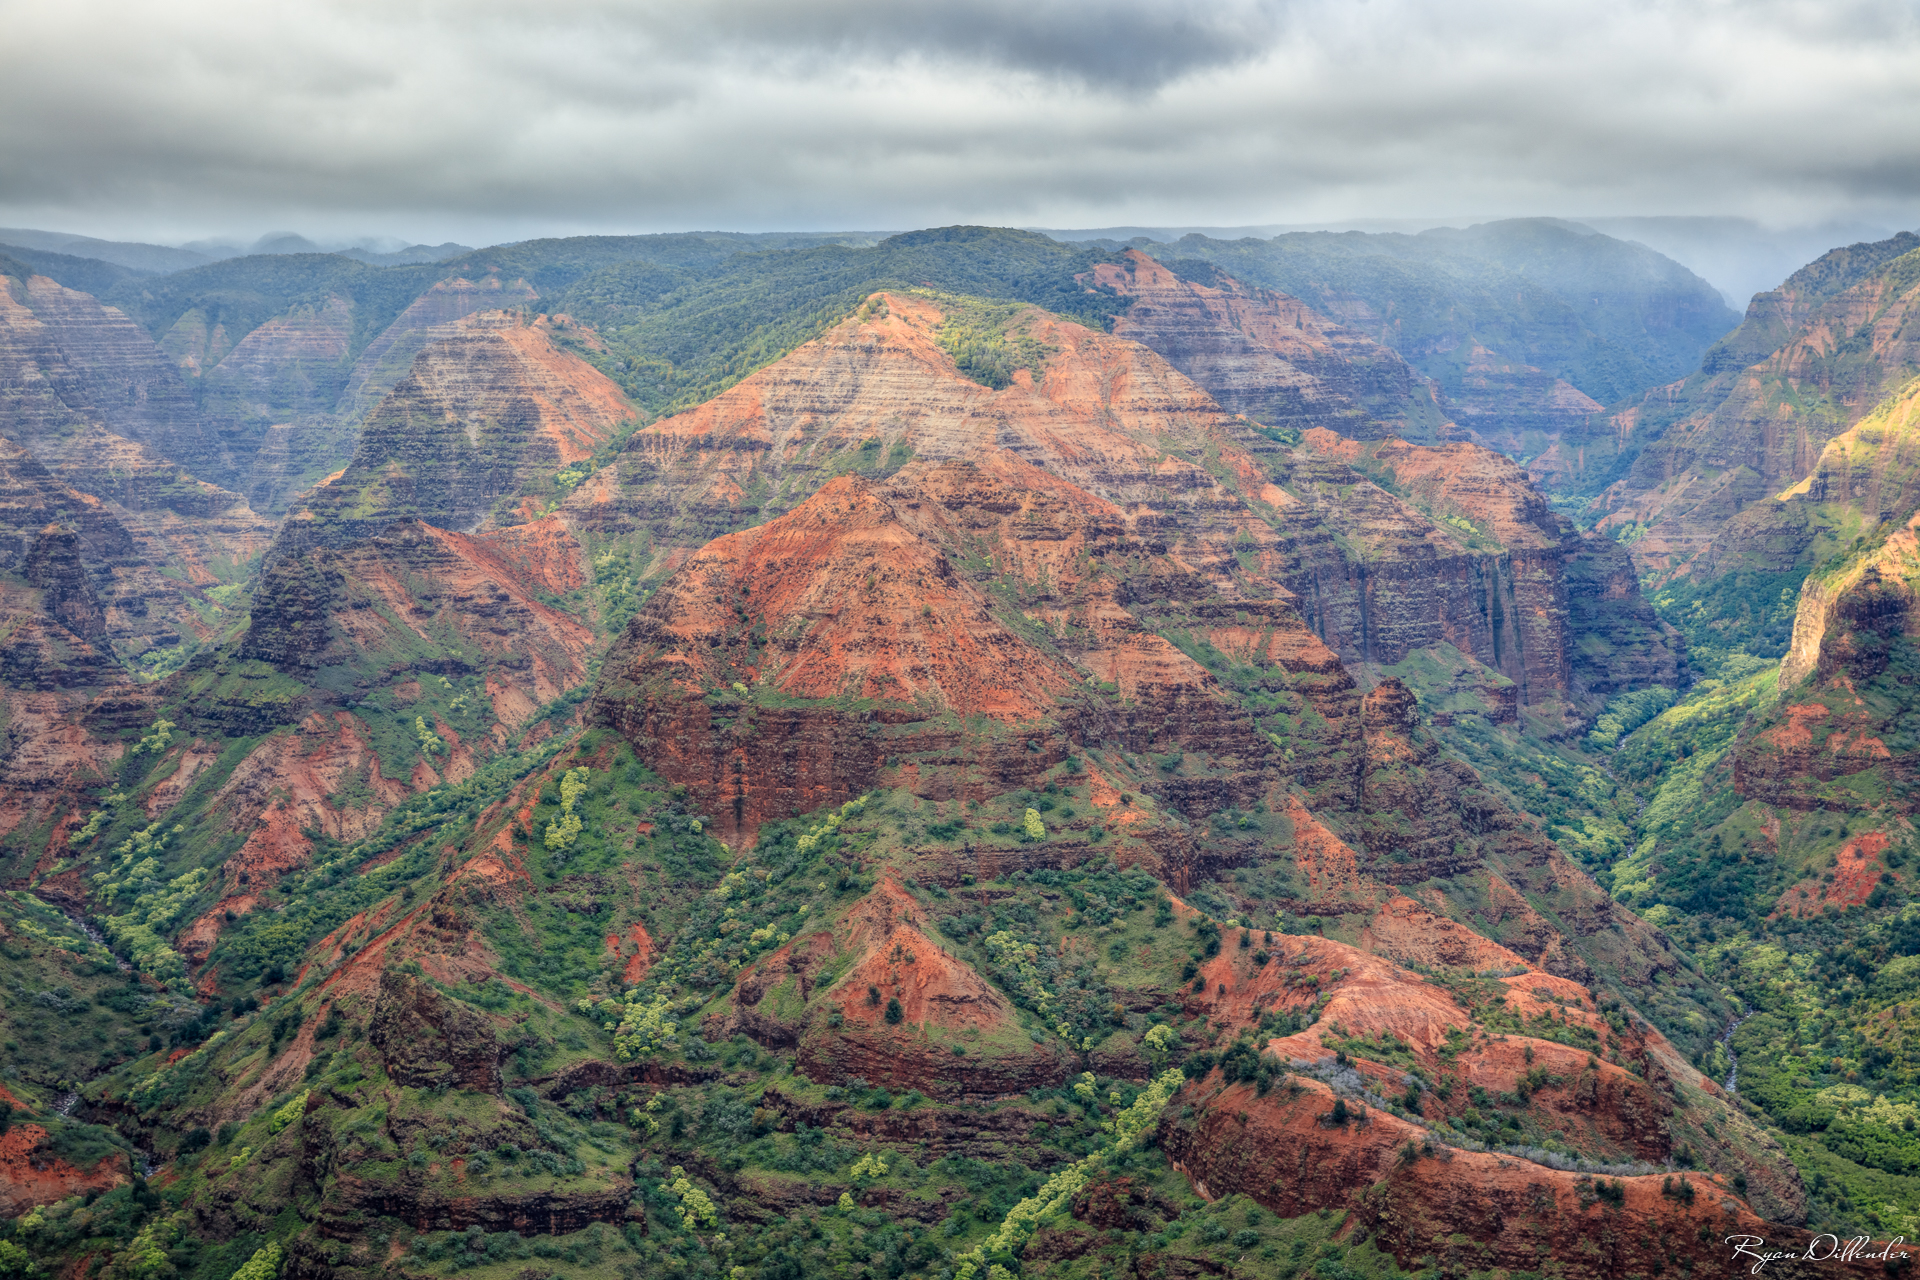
(719, 756)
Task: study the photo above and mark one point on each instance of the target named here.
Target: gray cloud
(486, 119)
(1129, 45)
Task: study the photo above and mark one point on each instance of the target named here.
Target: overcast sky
(484, 120)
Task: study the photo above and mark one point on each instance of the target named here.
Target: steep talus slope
(1268, 356)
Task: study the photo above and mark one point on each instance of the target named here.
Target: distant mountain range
(162, 259)
(1741, 257)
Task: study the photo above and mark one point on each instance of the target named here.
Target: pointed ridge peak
(849, 488)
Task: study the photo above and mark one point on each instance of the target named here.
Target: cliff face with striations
(275, 393)
(98, 579)
(1525, 413)
(93, 400)
(1375, 577)
(923, 638)
(292, 394)
(1840, 737)
(103, 368)
(1472, 557)
(961, 629)
(480, 423)
(878, 389)
(1269, 356)
(975, 627)
(435, 314)
(419, 594)
(1811, 360)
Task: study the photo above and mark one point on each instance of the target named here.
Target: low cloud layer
(482, 119)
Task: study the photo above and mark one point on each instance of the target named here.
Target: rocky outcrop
(32, 1175)
(1269, 356)
(1285, 1151)
(964, 627)
(1835, 739)
(357, 1203)
(428, 1042)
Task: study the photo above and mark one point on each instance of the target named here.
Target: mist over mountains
(1739, 256)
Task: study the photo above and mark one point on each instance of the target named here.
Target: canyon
(839, 800)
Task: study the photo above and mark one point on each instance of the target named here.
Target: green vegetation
(987, 342)
(1734, 624)
(673, 342)
(1057, 1192)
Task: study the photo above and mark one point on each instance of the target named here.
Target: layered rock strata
(1811, 359)
(483, 419)
(1269, 356)
(1375, 577)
